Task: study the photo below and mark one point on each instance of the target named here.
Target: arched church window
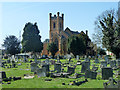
(54, 25)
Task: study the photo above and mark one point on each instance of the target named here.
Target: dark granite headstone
(3, 74)
(85, 66)
(107, 72)
(46, 67)
(71, 70)
(57, 67)
(90, 74)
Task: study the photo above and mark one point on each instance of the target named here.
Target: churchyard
(60, 73)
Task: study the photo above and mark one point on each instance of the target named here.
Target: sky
(78, 16)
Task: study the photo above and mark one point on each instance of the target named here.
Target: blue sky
(78, 16)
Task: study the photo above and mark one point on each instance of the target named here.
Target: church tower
(56, 26)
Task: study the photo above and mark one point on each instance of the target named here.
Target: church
(58, 35)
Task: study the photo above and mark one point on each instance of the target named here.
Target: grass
(55, 83)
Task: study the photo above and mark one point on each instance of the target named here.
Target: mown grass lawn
(55, 83)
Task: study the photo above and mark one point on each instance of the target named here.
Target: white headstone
(77, 57)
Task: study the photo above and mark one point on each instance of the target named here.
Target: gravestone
(103, 64)
(90, 74)
(69, 59)
(41, 72)
(58, 57)
(57, 67)
(118, 62)
(87, 59)
(58, 61)
(107, 72)
(25, 60)
(68, 56)
(47, 61)
(85, 66)
(77, 57)
(112, 63)
(34, 67)
(13, 58)
(71, 70)
(96, 60)
(46, 67)
(13, 65)
(111, 84)
(106, 59)
(8, 61)
(52, 62)
(2, 74)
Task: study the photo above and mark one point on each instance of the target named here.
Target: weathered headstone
(34, 67)
(90, 74)
(85, 66)
(107, 72)
(112, 63)
(2, 74)
(57, 67)
(103, 64)
(41, 72)
(47, 61)
(111, 84)
(71, 70)
(58, 61)
(118, 62)
(87, 59)
(106, 59)
(77, 57)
